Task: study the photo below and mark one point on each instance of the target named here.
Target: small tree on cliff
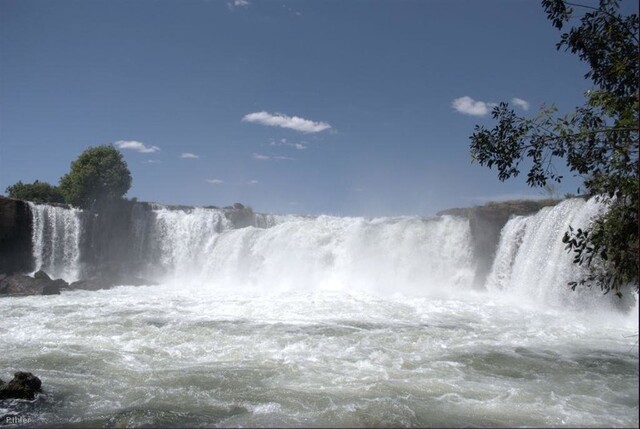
(38, 192)
(598, 141)
(98, 175)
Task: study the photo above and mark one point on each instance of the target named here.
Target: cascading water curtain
(56, 240)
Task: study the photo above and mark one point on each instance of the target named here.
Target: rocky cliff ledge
(15, 236)
(486, 223)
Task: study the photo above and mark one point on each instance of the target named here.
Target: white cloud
(260, 157)
(135, 145)
(469, 106)
(238, 3)
(523, 104)
(215, 181)
(152, 161)
(189, 155)
(284, 142)
(284, 121)
(252, 182)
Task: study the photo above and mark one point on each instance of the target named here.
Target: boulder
(40, 284)
(23, 386)
(104, 282)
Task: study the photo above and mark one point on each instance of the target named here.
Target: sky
(341, 107)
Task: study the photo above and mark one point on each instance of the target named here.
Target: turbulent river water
(326, 321)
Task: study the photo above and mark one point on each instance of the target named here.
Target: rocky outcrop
(16, 255)
(23, 386)
(486, 223)
(39, 284)
(98, 283)
(240, 216)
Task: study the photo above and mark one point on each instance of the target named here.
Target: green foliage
(38, 192)
(98, 175)
(598, 141)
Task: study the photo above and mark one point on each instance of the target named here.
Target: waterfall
(387, 255)
(532, 262)
(56, 240)
(234, 248)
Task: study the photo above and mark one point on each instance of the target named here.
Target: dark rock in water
(53, 288)
(98, 283)
(40, 284)
(90, 284)
(41, 275)
(23, 386)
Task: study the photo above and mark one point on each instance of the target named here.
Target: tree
(38, 192)
(598, 141)
(99, 175)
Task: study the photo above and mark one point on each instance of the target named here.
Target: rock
(16, 253)
(95, 283)
(40, 284)
(98, 283)
(23, 386)
(41, 275)
(240, 215)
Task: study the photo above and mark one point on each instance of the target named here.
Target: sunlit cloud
(260, 157)
(152, 161)
(284, 121)
(215, 181)
(523, 104)
(284, 142)
(252, 182)
(469, 106)
(189, 155)
(135, 145)
(238, 3)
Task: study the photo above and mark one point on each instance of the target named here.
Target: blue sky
(343, 107)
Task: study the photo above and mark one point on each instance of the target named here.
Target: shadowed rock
(39, 284)
(98, 283)
(23, 386)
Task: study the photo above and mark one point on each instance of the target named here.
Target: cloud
(261, 157)
(189, 155)
(284, 121)
(135, 145)
(252, 182)
(523, 104)
(238, 3)
(215, 181)
(152, 161)
(469, 106)
(284, 142)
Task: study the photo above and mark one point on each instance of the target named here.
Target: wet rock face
(23, 386)
(15, 236)
(39, 284)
